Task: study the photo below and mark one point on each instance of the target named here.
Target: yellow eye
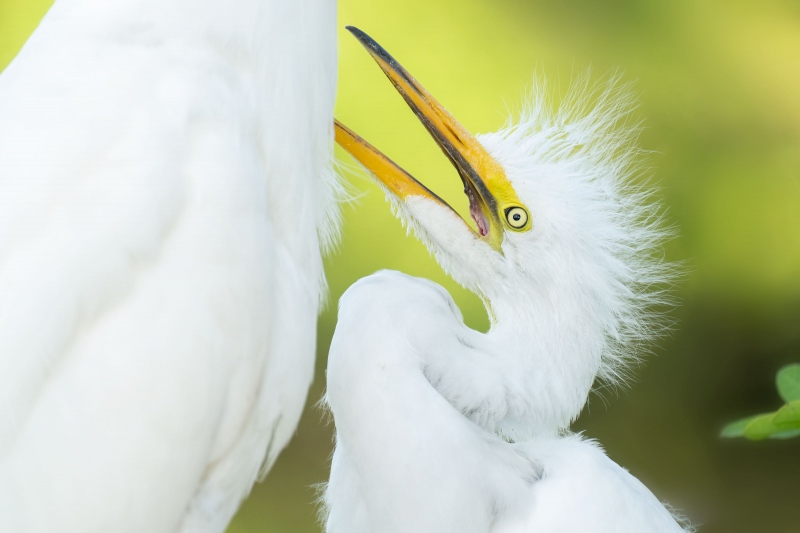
(516, 217)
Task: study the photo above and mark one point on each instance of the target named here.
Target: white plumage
(165, 189)
(443, 428)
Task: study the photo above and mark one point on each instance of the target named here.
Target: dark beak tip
(368, 42)
(374, 48)
(358, 34)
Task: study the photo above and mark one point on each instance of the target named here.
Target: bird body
(407, 459)
(165, 190)
(443, 428)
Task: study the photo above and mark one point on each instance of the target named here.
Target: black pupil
(516, 216)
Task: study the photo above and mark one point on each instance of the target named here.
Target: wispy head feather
(579, 164)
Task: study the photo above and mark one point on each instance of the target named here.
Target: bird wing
(581, 489)
(135, 268)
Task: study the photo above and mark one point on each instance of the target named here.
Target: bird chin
(458, 249)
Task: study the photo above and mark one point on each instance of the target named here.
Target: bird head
(558, 228)
(500, 217)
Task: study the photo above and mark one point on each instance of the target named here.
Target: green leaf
(761, 427)
(787, 434)
(788, 381)
(788, 416)
(782, 424)
(736, 429)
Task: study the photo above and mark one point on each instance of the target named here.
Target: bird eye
(516, 217)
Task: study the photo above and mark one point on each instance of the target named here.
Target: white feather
(165, 187)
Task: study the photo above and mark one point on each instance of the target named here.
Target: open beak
(489, 192)
(390, 174)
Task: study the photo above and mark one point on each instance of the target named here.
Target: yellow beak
(490, 193)
(398, 181)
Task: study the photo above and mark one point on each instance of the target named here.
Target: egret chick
(443, 428)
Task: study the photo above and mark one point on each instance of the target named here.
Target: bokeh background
(719, 86)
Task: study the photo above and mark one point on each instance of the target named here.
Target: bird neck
(554, 342)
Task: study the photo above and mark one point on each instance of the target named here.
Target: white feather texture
(581, 169)
(443, 428)
(590, 274)
(165, 189)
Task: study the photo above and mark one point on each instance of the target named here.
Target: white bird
(443, 428)
(165, 191)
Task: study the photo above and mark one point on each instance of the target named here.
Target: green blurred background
(719, 86)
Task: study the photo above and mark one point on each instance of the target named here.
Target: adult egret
(165, 189)
(443, 428)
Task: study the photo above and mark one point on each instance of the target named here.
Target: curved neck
(554, 343)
